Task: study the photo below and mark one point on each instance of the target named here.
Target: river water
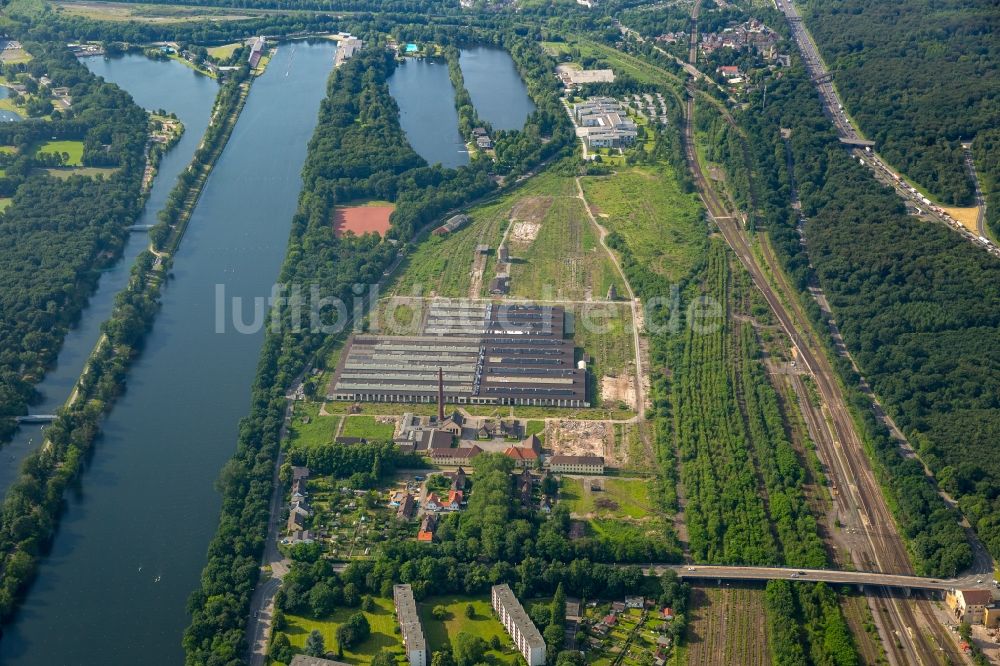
(426, 100)
(186, 93)
(496, 87)
(133, 540)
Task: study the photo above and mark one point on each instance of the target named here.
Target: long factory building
(487, 353)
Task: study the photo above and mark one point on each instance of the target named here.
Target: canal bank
(154, 85)
(133, 538)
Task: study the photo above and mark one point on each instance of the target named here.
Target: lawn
(382, 621)
(72, 148)
(4, 202)
(91, 172)
(482, 624)
(8, 150)
(223, 52)
(662, 225)
(605, 332)
(309, 429)
(620, 497)
(368, 427)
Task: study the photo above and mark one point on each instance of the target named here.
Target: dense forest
(358, 150)
(57, 233)
(986, 152)
(918, 76)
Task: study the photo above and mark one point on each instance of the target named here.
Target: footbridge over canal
(36, 418)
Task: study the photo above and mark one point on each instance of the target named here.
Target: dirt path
(640, 398)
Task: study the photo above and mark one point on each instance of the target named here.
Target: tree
(322, 600)
(367, 603)
(550, 486)
(470, 611)
(570, 658)
(315, 647)
(440, 613)
(442, 658)
(554, 635)
(281, 648)
(383, 658)
(353, 632)
(469, 649)
(495, 642)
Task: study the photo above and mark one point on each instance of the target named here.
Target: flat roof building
(409, 625)
(510, 354)
(518, 624)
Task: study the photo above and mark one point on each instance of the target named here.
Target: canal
(496, 87)
(153, 85)
(133, 539)
(426, 100)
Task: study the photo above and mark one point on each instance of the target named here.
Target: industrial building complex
(475, 352)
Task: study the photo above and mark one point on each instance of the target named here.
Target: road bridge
(714, 572)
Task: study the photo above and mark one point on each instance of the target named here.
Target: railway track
(860, 497)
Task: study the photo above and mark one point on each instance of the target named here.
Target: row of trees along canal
(916, 348)
(358, 151)
(32, 506)
(59, 232)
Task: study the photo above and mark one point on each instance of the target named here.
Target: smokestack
(440, 395)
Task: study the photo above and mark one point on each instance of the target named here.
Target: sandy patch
(966, 217)
(361, 220)
(530, 209)
(524, 232)
(618, 389)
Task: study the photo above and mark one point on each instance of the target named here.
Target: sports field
(361, 220)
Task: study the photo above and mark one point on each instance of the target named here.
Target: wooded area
(918, 76)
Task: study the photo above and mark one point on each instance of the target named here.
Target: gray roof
(303, 660)
(520, 617)
(576, 460)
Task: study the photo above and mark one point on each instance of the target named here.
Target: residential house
(460, 456)
(634, 602)
(427, 527)
(458, 479)
(522, 457)
(455, 499)
(968, 605)
(484, 143)
(297, 517)
(432, 502)
(414, 644)
(407, 508)
(728, 71)
(577, 464)
(527, 639)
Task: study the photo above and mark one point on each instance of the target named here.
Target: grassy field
(439, 634)
(565, 260)
(91, 172)
(726, 626)
(4, 202)
(224, 51)
(309, 429)
(662, 225)
(14, 56)
(442, 265)
(621, 63)
(382, 621)
(620, 497)
(367, 427)
(605, 332)
(8, 150)
(72, 148)
(147, 13)
(7, 104)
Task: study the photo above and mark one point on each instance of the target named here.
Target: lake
(133, 539)
(427, 112)
(496, 88)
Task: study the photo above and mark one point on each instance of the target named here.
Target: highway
(849, 134)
